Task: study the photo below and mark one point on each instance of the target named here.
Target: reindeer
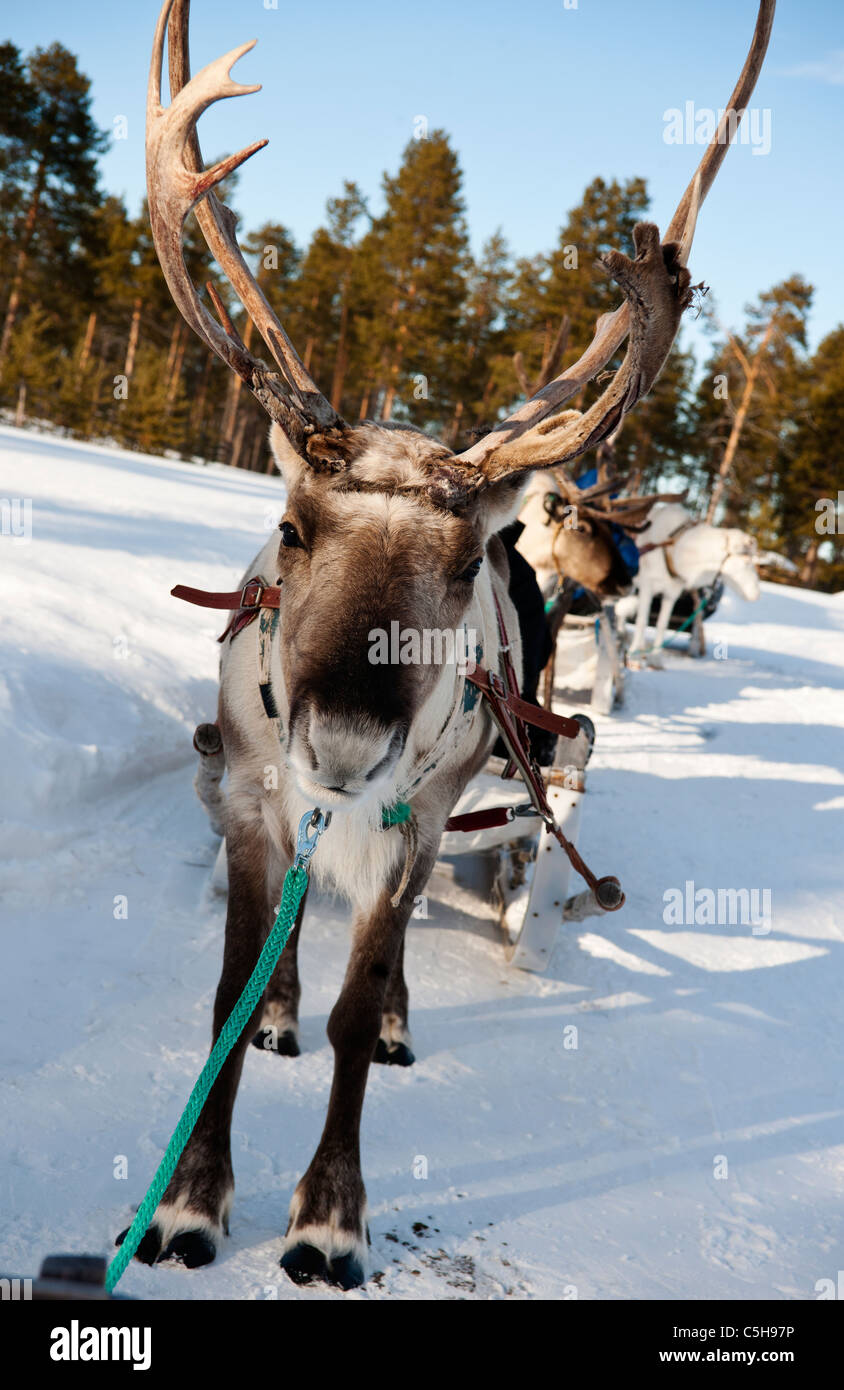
(677, 553)
(379, 524)
(568, 529)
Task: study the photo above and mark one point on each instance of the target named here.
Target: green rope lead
(668, 641)
(648, 651)
(295, 883)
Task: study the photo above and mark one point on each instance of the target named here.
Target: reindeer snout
(339, 754)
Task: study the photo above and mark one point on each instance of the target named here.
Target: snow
(553, 1171)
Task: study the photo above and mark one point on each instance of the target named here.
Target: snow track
(691, 1145)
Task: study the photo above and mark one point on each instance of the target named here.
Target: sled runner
(531, 872)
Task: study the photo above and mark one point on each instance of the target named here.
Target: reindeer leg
(194, 1211)
(279, 1030)
(326, 1236)
(669, 598)
(637, 642)
(394, 1045)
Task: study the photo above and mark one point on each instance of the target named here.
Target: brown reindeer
(381, 525)
(568, 531)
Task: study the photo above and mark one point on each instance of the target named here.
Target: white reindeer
(676, 554)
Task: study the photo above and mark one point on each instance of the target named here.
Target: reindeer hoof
(150, 1246)
(189, 1248)
(304, 1264)
(399, 1055)
(286, 1046)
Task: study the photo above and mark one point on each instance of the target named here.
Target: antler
(656, 289)
(176, 183)
(600, 503)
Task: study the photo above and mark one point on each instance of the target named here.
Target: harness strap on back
(667, 544)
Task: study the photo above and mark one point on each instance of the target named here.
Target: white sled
(587, 664)
(532, 873)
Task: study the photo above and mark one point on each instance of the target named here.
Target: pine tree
(746, 407)
(50, 146)
(811, 484)
(419, 252)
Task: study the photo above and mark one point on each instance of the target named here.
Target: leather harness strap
(492, 686)
(667, 543)
(246, 603)
(256, 594)
(509, 712)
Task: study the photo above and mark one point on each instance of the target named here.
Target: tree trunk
(397, 356)
(95, 398)
(132, 346)
(171, 354)
(454, 427)
(86, 348)
(176, 367)
(20, 265)
(20, 412)
(738, 423)
(227, 433)
(237, 445)
(342, 355)
(363, 413)
(199, 401)
(809, 567)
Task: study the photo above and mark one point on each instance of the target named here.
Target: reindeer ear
(289, 461)
(327, 451)
(501, 502)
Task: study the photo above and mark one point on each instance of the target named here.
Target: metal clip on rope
(311, 826)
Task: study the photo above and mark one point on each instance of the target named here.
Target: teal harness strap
(295, 883)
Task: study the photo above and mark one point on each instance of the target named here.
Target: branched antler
(528, 438)
(601, 501)
(656, 285)
(177, 183)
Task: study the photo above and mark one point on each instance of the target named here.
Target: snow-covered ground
(690, 1146)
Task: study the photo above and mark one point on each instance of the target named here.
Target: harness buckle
(252, 593)
(497, 685)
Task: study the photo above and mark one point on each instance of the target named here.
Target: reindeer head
(387, 525)
(739, 568)
(368, 556)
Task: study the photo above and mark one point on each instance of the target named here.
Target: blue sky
(535, 109)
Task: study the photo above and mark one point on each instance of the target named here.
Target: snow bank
(690, 1145)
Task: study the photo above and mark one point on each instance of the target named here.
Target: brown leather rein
(510, 713)
(668, 543)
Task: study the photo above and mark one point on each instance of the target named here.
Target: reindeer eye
(471, 571)
(289, 534)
